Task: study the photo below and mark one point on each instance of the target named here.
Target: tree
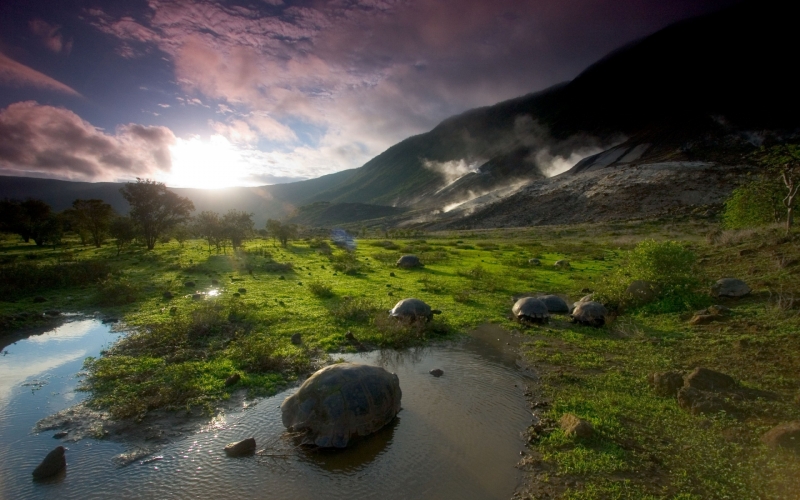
(155, 209)
(784, 160)
(273, 228)
(93, 217)
(755, 203)
(286, 232)
(181, 233)
(208, 226)
(123, 229)
(27, 219)
(237, 226)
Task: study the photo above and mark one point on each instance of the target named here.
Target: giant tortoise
(409, 261)
(413, 309)
(589, 313)
(530, 310)
(341, 402)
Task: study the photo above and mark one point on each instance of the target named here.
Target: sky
(212, 94)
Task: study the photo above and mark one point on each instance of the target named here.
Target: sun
(212, 164)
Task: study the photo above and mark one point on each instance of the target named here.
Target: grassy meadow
(236, 312)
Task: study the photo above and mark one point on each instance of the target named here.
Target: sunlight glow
(212, 164)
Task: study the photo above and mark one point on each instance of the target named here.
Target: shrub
(756, 203)
(115, 291)
(668, 264)
(358, 310)
(27, 278)
(320, 289)
(346, 262)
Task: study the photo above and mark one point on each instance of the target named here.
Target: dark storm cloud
(57, 142)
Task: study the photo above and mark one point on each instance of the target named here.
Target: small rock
(562, 264)
(167, 295)
(700, 402)
(666, 383)
(237, 294)
(391, 274)
(702, 319)
(730, 287)
(709, 380)
(436, 372)
(233, 379)
(719, 310)
(786, 435)
(59, 435)
(39, 299)
(534, 262)
(574, 426)
(242, 290)
(300, 283)
(52, 464)
(281, 277)
(190, 284)
(297, 339)
(242, 448)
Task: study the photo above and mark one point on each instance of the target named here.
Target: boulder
(574, 426)
(730, 287)
(666, 384)
(709, 380)
(699, 402)
(297, 339)
(436, 372)
(242, 448)
(786, 435)
(53, 463)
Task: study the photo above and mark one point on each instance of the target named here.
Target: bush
(346, 263)
(358, 310)
(756, 203)
(668, 264)
(320, 289)
(24, 278)
(115, 291)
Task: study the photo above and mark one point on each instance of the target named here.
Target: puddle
(457, 436)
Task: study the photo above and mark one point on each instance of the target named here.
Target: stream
(457, 436)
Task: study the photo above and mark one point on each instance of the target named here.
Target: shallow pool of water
(457, 436)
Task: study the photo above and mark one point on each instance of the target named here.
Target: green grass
(644, 446)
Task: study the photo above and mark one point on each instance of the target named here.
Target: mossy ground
(645, 446)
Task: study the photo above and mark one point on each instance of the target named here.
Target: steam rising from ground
(553, 164)
(453, 170)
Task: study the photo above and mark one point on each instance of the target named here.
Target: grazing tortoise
(340, 402)
(413, 309)
(554, 303)
(530, 310)
(408, 261)
(589, 313)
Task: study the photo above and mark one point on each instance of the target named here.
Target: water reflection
(357, 456)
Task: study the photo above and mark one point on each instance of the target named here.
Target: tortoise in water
(589, 313)
(340, 402)
(409, 261)
(530, 310)
(554, 303)
(413, 309)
